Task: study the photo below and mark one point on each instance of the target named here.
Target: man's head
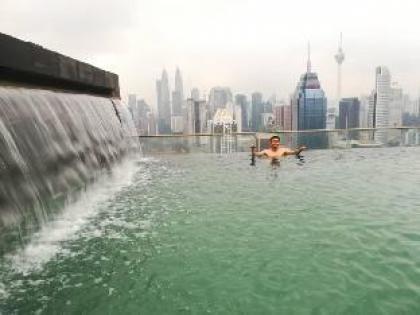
(274, 142)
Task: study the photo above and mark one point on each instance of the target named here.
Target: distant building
(241, 100)
(378, 115)
(278, 116)
(364, 110)
(331, 118)
(396, 102)
(349, 116)
(237, 115)
(411, 107)
(267, 121)
(269, 105)
(349, 112)
(195, 117)
(219, 97)
(152, 124)
(309, 108)
(257, 108)
(195, 94)
(141, 114)
(177, 124)
(223, 122)
(163, 104)
(177, 94)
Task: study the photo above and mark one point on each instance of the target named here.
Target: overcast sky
(247, 45)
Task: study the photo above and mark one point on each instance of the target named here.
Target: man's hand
(300, 149)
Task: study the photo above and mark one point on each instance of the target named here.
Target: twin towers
(309, 103)
(166, 112)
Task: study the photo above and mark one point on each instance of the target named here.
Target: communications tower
(339, 58)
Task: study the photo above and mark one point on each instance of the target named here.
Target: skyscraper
(242, 102)
(177, 104)
(309, 108)
(378, 116)
(219, 97)
(195, 117)
(349, 113)
(282, 116)
(195, 94)
(396, 105)
(339, 58)
(257, 108)
(163, 104)
(177, 94)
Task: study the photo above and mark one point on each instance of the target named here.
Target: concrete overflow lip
(28, 64)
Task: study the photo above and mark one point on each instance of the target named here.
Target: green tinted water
(203, 233)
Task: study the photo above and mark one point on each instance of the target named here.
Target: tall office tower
(163, 104)
(195, 117)
(396, 105)
(152, 124)
(410, 106)
(177, 94)
(242, 102)
(349, 115)
(278, 112)
(339, 58)
(219, 97)
(282, 116)
(257, 108)
(364, 109)
(132, 105)
(269, 105)
(309, 108)
(177, 104)
(331, 118)
(195, 94)
(378, 116)
(140, 117)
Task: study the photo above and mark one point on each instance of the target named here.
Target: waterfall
(52, 143)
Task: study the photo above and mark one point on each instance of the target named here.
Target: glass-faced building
(309, 111)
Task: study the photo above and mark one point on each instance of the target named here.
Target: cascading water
(52, 143)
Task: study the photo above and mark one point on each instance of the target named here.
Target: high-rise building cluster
(221, 111)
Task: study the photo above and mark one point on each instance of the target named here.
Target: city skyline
(246, 45)
(307, 109)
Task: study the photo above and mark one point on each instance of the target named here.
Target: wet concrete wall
(27, 64)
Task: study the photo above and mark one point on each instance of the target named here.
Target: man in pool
(275, 151)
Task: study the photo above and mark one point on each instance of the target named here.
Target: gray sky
(245, 44)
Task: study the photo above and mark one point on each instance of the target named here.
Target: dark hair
(274, 137)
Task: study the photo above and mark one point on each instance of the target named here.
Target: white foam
(47, 243)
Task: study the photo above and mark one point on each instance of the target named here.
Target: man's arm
(262, 153)
(255, 153)
(295, 151)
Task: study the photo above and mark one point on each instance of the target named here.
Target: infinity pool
(335, 233)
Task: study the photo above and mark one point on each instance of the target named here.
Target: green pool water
(336, 233)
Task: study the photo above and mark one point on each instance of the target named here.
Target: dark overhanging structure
(27, 64)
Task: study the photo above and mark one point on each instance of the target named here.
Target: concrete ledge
(25, 63)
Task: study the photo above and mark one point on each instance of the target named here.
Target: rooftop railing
(313, 139)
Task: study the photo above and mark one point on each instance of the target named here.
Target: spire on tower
(339, 56)
(341, 40)
(308, 65)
